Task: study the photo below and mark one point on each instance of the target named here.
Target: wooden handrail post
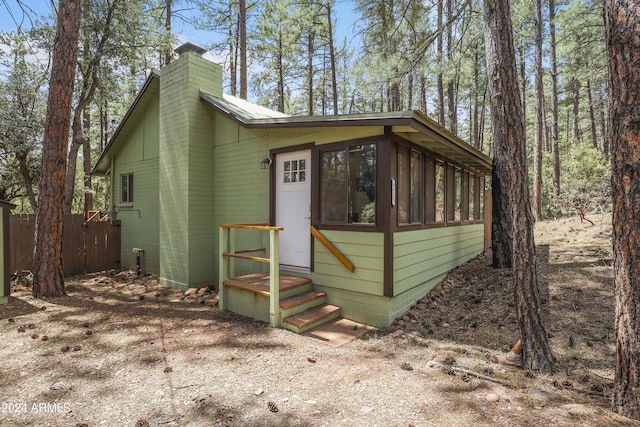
(232, 249)
(222, 276)
(274, 280)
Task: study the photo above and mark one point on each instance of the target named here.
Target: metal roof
(412, 125)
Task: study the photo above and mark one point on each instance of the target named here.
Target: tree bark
(555, 154)
(332, 56)
(575, 129)
(48, 280)
(539, 123)
(22, 158)
(440, 78)
(592, 117)
(622, 24)
(510, 152)
(242, 24)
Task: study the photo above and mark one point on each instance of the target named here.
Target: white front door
(293, 207)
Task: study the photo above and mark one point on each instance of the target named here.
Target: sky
(12, 15)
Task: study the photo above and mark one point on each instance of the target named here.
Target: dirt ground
(123, 351)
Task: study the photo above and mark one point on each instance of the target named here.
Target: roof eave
(102, 164)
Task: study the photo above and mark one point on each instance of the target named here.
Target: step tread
(258, 283)
(305, 297)
(311, 315)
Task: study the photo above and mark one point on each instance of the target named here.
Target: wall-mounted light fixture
(265, 163)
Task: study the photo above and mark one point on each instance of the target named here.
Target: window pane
(440, 192)
(481, 202)
(362, 184)
(126, 191)
(472, 196)
(333, 186)
(404, 185)
(430, 190)
(416, 187)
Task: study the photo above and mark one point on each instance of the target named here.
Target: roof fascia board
(152, 75)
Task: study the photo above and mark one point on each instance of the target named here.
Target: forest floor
(123, 351)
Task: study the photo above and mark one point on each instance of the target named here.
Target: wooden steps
(302, 307)
(311, 318)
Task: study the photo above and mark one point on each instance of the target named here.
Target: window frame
(346, 225)
(126, 188)
(455, 212)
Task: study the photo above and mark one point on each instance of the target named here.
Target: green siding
(420, 256)
(421, 260)
(140, 219)
(366, 253)
(186, 171)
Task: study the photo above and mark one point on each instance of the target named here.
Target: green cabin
(356, 215)
(5, 274)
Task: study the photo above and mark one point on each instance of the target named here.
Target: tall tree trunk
(310, 53)
(622, 28)
(451, 84)
(332, 57)
(592, 117)
(523, 82)
(86, 165)
(575, 128)
(233, 52)
(242, 23)
(48, 279)
(410, 91)
(423, 93)
(604, 141)
(510, 153)
(22, 158)
(554, 98)
(440, 78)
(475, 137)
(167, 27)
(539, 123)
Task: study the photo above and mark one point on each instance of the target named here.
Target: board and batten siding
(140, 219)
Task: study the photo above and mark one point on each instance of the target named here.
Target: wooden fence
(87, 247)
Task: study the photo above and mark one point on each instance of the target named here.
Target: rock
(190, 292)
(258, 392)
(311, 359)
(203, 290)
(397, 334)
(445, 358)
(417, 334)
(492, 398)
(211, 302)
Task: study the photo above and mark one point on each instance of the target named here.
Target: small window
(295, 171)
(410, 186)
(127, 188)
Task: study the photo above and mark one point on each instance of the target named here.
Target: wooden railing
(228, 254)
(343, 259)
